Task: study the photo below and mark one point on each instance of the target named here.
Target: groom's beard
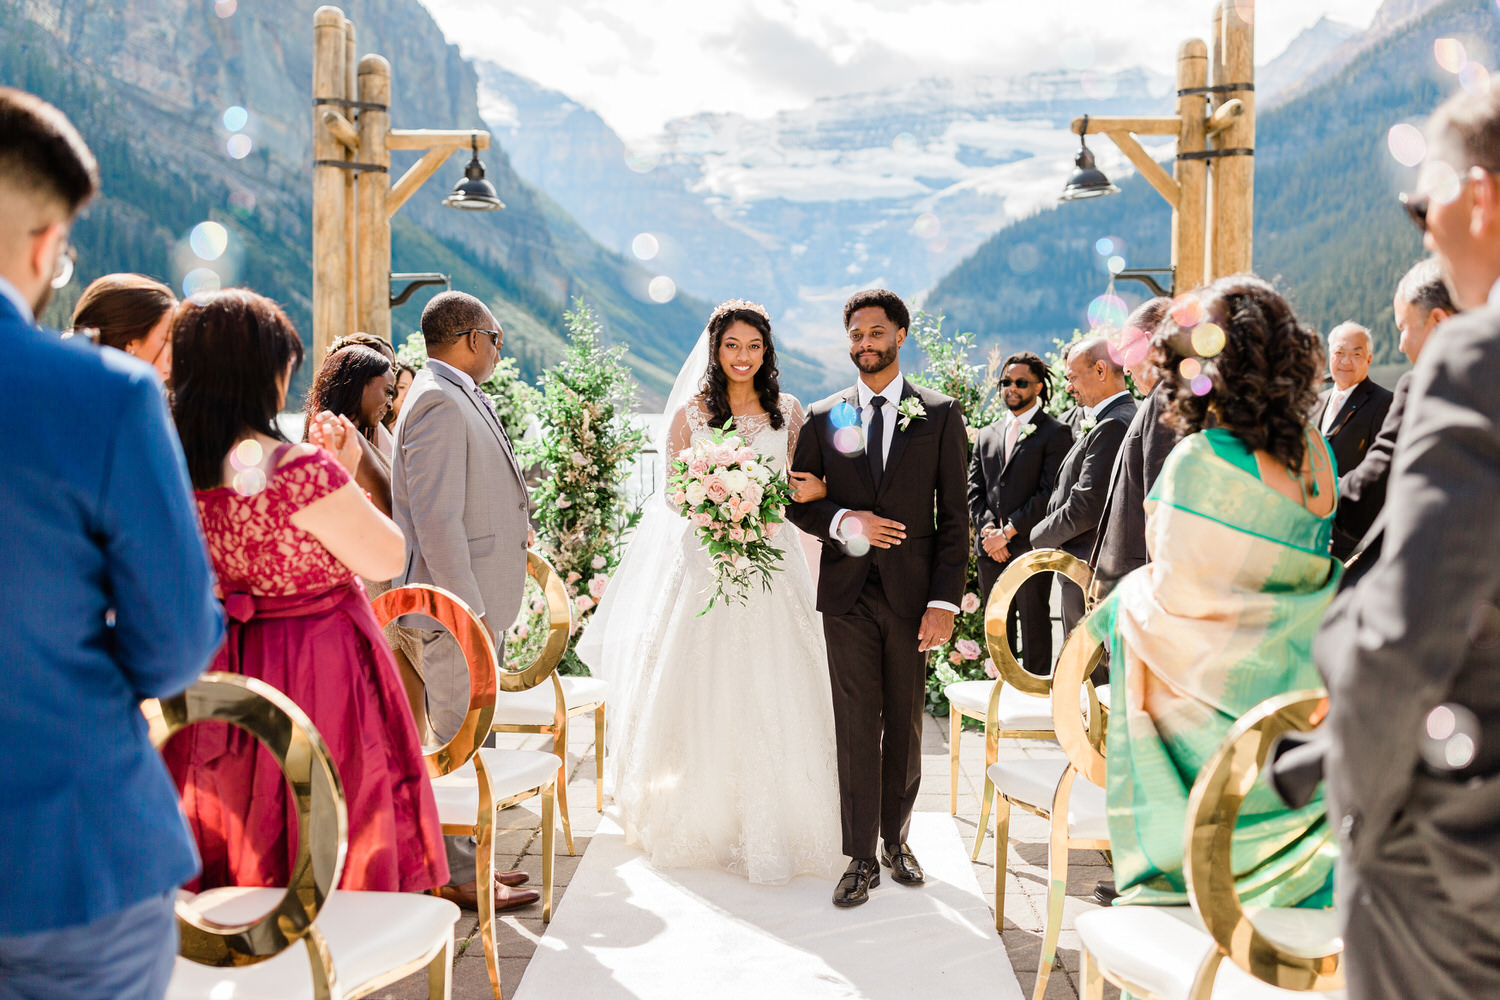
(871, 362)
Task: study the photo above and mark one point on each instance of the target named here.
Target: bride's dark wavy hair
(715, 387)
(1264, 379)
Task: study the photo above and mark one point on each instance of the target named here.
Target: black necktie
(875, 440)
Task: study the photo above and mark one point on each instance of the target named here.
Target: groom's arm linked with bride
(885, 603)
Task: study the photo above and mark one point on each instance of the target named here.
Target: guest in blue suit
(107, 598)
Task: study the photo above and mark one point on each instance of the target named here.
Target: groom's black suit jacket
(923, 487)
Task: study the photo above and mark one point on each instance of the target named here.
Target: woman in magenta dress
(289, 532)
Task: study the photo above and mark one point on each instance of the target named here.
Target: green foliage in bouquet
(586, 447)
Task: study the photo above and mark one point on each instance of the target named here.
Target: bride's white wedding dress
(721, 748)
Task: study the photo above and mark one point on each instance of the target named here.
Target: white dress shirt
(463, 376)
(1336, 399)
(1092, 412)
(892, 395)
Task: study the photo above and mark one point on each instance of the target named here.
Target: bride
(722, 749)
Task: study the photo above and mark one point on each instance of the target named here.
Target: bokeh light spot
(1442, 182)
(1208, 340)
(235, 118)
(1202, 385)
(1246, 10)
(641, 163)
(1450, 54)
(858, 546)
(1134, 345)
(1187, 312)
(248, 482)
(844, 415)
(1115, 263)
(225, 8)
(662, 289)
(905, 143)
(1450, 737)
(239, 146)
(1104, 246)
(1406, 144)
(927, 226)
(246, 455)
(1190, 368)
(1475, 79)
(849, 440)
(645, 246)
(209, 240)
(1108, 310)
(201, 279)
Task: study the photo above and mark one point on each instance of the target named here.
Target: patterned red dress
(300, 621)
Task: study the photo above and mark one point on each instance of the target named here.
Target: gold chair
(1015, 705)
(1051, 789)
(236, 941)
(472, 783)
(546, 709)
(1177, 952)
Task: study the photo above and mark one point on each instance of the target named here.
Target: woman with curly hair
(1238, 526)
(722, 749)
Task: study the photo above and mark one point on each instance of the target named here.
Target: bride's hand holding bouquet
(736, 501)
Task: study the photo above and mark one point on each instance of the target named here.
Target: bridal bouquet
(735, 500)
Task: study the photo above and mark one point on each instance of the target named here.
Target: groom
(895, 531)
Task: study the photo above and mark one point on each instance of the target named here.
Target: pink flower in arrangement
(990, 670)
(970, 604)
(955, 658)
(745, 454)
(967, 648)
(736, 513)
(715, 489)
(574, 577)
(520, 630)
(700, 519)
(724, 454)
(538, 606)
(698, 467)
(584, 603)
(679, 498)
(773, 529)
(737, 534)
(597, 585)
(754, 495)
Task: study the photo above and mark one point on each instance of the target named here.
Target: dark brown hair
(122, 307)
(43, 154)
(364, 340)
(229, 351)
(715, 387)
(340, 384)
(880, 298)
(1265, 379)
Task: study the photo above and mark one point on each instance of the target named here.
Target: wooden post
(374, 225)
(1190, 219)
(1234, 173)
(330, 259)
(351, 194)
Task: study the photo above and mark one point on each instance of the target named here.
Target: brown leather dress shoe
(506, 897)
(513, 877)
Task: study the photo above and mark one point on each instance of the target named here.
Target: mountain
(1328, 230)
(1307, 53)
(797, 210)
(1390, 18)
(149, 82)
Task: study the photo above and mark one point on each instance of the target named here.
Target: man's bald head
(450, 314)
(1350, 351)
(1093, 375)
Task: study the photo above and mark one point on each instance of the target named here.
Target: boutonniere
(1026, 432)
(1088, 424)
(910, 409)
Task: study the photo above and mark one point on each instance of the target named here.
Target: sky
(640, 63)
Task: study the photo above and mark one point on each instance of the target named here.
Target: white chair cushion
(535, 706)
(1035, 781)
(1159, 948)
(1017, 710)
(511, 773)
(368, 934)
(1103, 692)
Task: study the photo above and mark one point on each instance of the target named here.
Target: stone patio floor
(518, 844)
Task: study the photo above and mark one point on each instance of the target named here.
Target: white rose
(736, 480)
(695, 493)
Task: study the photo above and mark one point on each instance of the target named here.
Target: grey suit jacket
(1421, 628)
(1077, 503)
(459, 495)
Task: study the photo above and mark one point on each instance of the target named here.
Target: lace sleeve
(679, 436)
(791, 412)
(307, 478)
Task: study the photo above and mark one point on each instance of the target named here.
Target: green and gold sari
(1222, 618)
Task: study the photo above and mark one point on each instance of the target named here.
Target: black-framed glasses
(494, 335)
(1416, 206)
(1019, 383)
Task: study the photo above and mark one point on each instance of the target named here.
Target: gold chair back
(559, 628)
(1213, 809)
(479, 653)
(1083, 744)
(322, 819)
(997, 611)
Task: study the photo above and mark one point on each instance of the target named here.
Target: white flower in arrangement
(910, 408)
(762, 474)
(695, 493)
(599, 562)
(579, 458)
(736, 480)
(1026, 432)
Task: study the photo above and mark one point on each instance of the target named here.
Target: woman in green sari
(1223, 617)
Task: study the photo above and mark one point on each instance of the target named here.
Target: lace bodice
(254, 546)
(692, 422)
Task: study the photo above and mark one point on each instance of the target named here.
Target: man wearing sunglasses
(1011, 475)
(1411, 652)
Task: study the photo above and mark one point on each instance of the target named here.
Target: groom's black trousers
(879, 692)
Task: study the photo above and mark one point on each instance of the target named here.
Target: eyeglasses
(1019, 383)
(494, 335)
(62, 271)
(1416, 206)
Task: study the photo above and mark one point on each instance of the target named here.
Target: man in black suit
(1422, 302)
(1350, 412)
(1011, 474)
(895, 532)
(1411, 652)
(1097, 383)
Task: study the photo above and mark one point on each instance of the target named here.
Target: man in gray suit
(459, 495)
(1411, 652)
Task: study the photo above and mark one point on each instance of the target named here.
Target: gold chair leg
(991, 754)
(1203, 982)
(440, 973)
(1002, 857)
(955, 726)
(548, 848)
(1057, 889)
(560, 747)
(484, 873)
(1093, 982)
(599, 757)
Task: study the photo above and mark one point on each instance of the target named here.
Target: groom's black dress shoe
(903, 864)
(859, 878)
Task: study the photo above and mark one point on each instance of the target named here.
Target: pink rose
(679, 498)
(970, 604)
(699, 519)
(754, 495)
(574, 577)
(715, 489)
(967, 648)
(773, 529)
(597, 585)
(736, 512)
(990, 670)
(584, 603)
(724, 454)
(745, 454)
(737, 534)
(698, 467)
(955, 658)
(520, 630)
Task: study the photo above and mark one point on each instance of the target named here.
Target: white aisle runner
(626, 930)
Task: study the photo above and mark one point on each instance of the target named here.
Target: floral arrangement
(735, 500)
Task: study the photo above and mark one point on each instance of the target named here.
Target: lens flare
(1202, 385)
(858, 546)
(662, 289)
(225, 8)
(235, 118)
(249, 482)
(246, 455)
(641, 163)
(209, 240)
(1190, 368)
(905, 144)
(201, 279)
(645, 246)
(849, 440)
(1450, 737)
(1104, 246)
(1187, 312)
(927, 226)
(1450, 54)
(1475, 79)
(844, 415)
(238, 146)
(1115, 264)
(1208, 340)
(1406, 144)
(1441, 182)
(1135, 343)
(1108, 310)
